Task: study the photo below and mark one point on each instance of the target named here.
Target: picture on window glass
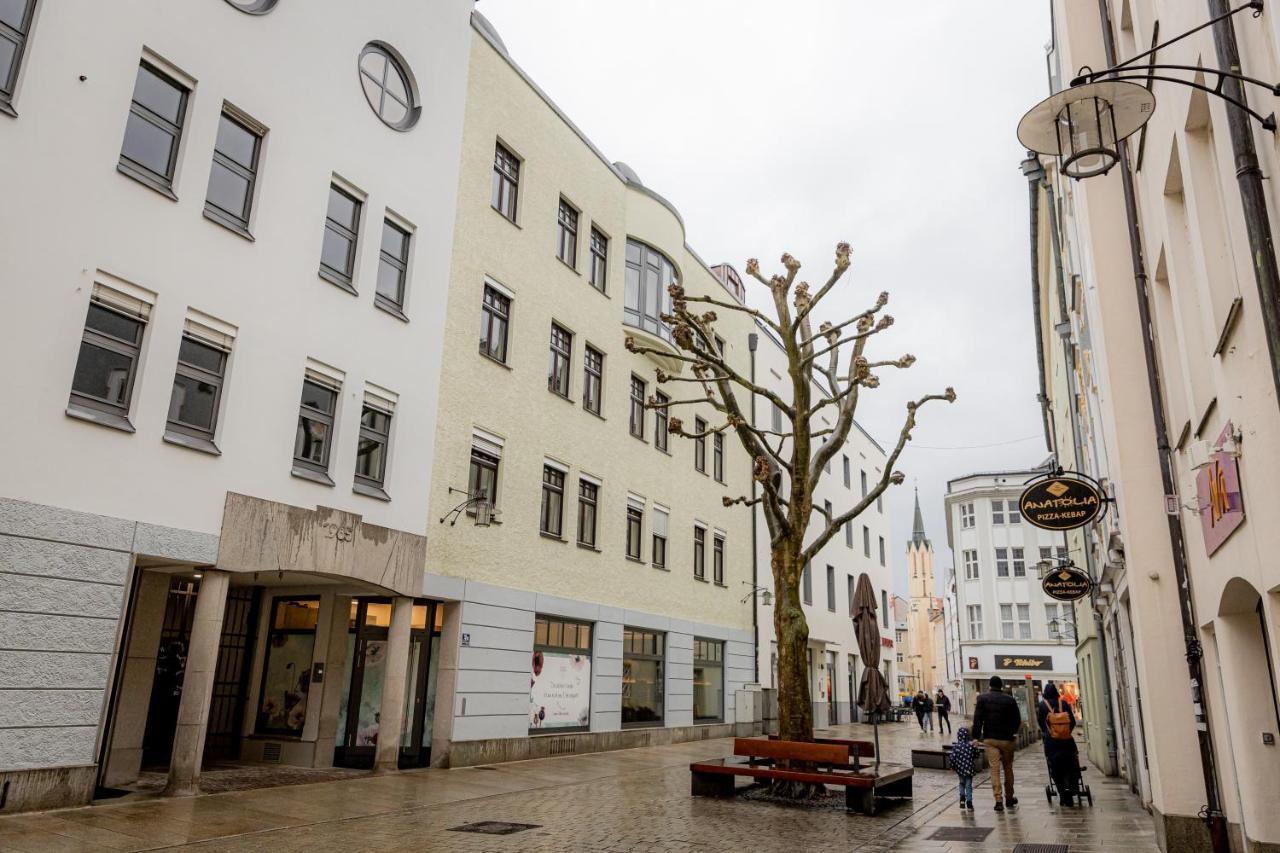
(286, 673)
(560, 677)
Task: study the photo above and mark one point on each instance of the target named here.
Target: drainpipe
(1212, 813)
(1069, 357)
(1252, 196)
(753, 341)
(1034, 173)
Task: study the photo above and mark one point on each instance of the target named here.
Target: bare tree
(788, 465)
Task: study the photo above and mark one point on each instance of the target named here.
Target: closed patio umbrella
(873, 692)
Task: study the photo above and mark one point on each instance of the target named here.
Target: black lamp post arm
(1268, 122)
(1255, 5)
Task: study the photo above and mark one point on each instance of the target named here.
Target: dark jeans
(944, 717)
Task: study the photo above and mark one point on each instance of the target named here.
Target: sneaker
(1010, 801)
(962, 801)
(970, 804)
(999, 806)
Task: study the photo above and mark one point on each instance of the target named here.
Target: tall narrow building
(924, 621)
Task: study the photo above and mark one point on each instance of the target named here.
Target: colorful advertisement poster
(560, 691)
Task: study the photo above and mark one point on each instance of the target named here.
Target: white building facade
(1007, 625)
(828, 583)
(223, 439)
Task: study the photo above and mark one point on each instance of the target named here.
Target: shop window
(708, 681)
(286, 672)
(642, 677)
(560, 681)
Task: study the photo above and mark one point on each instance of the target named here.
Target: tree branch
(732, 306)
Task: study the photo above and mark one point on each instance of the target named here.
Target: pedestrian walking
(1057, 722)
(996, 721)
(943, 706)
(928, 712)
(964, 760)
(917, 705)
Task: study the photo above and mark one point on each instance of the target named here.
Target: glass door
(360, 713)
(420, 691)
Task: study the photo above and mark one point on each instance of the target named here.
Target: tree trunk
(795, 711)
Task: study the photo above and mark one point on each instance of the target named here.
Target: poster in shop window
(560, 691)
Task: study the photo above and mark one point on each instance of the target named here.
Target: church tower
(923, 656)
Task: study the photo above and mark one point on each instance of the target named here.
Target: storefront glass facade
(560, 679)
(708, 681)
(643, 671)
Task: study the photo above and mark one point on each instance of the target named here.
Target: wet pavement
(628, 800)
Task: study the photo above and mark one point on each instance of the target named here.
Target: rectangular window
(506, 182)
(1002, 562)
(970, 559)
(848, 483)
(1015, 515)
(1006, 621)
(966, 516)
(882, 550)
(647, 296)
(552, 520)
(393, 266)
(826, 508)
(717, 559)
(1024, 621)
(659, 537)
(884, 607)
(864, 483)
(717, 457)
(635, 526)
(661, 417)
(341, 236)
(848, 534)
(975, 621)
(592, 380)
(599, 260)
(777, 417)
(315, 426)
(108, 362)
(850, 584)
(560, 679)
(880, 503)
(1046, 554)
(558, 366)
(286, 670)
(831, 588)
(15, 23)
(197, 388)
(1051, 622)
(1019, 564)
(700, 445)
(234, 173)
(495, 316)
(567, 234)
(708, 680)
(806, 584)
(482, 478)
(151, 136)
(866, 541)
(642, 677)
(700, 552)
(1062, 553)
(637, 406)
(371, 450)
(997, 512)
(588, 505)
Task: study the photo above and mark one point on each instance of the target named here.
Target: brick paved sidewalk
(632, 800)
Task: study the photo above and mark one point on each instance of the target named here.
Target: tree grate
(1040, 848)
(495, 827)
(960, 833)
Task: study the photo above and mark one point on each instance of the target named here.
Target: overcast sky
(790, 126)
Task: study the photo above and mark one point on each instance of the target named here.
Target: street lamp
(766, 597)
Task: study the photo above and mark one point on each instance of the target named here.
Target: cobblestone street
(618, 801)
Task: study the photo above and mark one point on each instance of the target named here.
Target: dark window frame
(658, 541)
(343, 278)
(18, 37)
(552, 493)
(709, 654)
(328, 419)
(200, 374)
(567, 217)
(588, 505)
(482, 460)
(236, 222)
(134, 169)
(699, 446)
(369, 432)
(635, 533)
(638, 317)
(592, 380)
(598, 272)
(495, 312)
(560, 361)
(700, 552)
(638, 389)
(659, 655)
(806, 584)
(831, 588)
(505, 190)
(717, 457)
(394, 64)
(717, 559)
(661, 421)
(106, 341)
(398, 265)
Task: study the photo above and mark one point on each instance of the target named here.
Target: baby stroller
(1082, 789)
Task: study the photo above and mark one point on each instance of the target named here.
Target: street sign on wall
(1066, 583)
(1062, 501)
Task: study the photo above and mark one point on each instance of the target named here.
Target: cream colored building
(611, 563)
(1215, 405)
(924, 621)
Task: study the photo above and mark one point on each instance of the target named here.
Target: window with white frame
(1024, 621)
(997, 512)
(970, 559)
(1050, 617)
(974, 612)
(966, 516)
(1002, 562)
(1019, 563)
(1006, 621)
(1012, 512)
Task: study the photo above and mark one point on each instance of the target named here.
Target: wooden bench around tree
(826, 764)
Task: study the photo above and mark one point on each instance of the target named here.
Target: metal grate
(271, 752)
(495, 827)
(1040, 848)
(960, 833)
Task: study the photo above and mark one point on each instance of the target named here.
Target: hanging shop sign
(1024, 662)
(1062, 501)
(1219, 496)
(1066, 583)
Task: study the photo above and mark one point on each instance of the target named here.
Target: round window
(254, 7)
(388, 86)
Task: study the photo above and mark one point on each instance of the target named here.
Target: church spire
(917, 531)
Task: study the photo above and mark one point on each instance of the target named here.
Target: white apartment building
(225, 231)
(1008, 626)
(828, 582)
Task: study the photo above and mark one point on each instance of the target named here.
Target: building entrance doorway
(853, 688)
(360, 710)
(833, 713)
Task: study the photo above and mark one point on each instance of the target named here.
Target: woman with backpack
(1057, 722)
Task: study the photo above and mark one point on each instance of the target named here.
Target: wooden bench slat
(830, 753)
(863, 748)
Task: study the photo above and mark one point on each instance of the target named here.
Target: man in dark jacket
(996, 721)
